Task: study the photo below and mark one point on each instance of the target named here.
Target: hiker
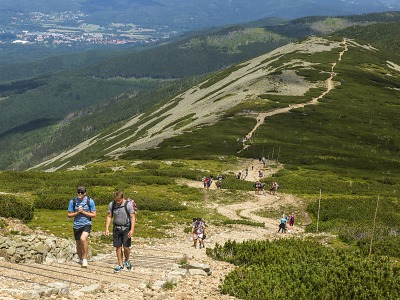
(273, 187)
(256, 187)
(210, 180)
(197, 232)
(83, 209)
(122, 212)
(291, 220)
(219, 184)
(203, 237)
(282, 224)
(262, 188)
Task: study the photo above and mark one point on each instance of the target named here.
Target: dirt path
(329, 86)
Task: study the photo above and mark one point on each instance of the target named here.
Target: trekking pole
(373, 228)
(319, 207)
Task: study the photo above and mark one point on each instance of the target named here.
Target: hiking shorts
(197, 236)
(120, 236)
(78, 232)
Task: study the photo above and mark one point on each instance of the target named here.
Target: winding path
(329, 86)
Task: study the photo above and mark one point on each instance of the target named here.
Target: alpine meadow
(312, 103)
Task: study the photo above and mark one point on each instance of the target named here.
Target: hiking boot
(128, 265)
(118, 269)
(84, 263)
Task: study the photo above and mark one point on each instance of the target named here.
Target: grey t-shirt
(119, 214)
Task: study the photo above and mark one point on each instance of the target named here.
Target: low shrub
(14, 207)
(153, 204)
(291, 268)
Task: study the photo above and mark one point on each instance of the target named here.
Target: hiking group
(207, 181)
(283, 222)
(121, 211)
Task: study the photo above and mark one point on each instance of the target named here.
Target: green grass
(160, 205)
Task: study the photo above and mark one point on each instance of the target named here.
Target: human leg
(77, 235)
(81, 238)
(117, 243)
(84, 244)
(118, 251)
(195, 240)
(202, 242)
(79, 249)
(127, 252)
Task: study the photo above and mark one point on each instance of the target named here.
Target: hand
(107, 232)
(80, 208)
(130, 233)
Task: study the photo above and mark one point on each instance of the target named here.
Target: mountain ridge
(205, 103)
(113, 92)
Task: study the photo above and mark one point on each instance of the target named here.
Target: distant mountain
(194, 14)
(319, 97)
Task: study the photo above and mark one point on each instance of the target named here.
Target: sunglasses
(80, 192)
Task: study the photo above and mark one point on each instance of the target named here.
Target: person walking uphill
(83, 209)
(123, 213)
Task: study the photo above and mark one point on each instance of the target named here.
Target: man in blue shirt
(83, 209)
(282, 224)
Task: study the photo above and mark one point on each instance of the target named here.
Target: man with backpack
(122, 212)
(83, 209)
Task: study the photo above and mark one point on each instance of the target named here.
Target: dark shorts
(78, 232)
(120, 236)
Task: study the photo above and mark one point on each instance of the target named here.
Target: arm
(108, 222)
(71, 212)
(133, 221)
(88, 214)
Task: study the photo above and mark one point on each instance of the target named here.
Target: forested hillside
(40, 110)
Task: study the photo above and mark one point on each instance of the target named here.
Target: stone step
(148, 265)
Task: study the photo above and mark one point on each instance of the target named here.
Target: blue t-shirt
(81, 220)
(283, 220)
